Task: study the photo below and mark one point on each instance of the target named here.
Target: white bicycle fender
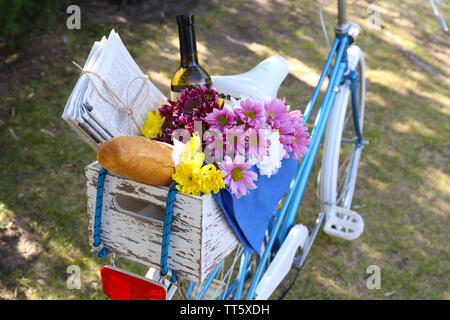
(354, 54)
(281, 264)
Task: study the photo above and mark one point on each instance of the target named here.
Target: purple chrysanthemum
(191, 107)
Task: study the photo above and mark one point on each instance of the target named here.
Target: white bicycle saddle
(260, 83)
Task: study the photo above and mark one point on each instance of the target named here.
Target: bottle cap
(185, 19)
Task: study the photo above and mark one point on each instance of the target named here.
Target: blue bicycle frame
(283, 219)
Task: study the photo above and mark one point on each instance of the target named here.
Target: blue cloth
(249, 216)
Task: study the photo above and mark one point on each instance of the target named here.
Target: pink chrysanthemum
(221, 119)
(258, 143)
(286, 136)
(234, 140)
(251, 138)
(277, 113)
(279, 119)
(296, 140)
(251, 113)
(301, 142)
(214, 145)
(238, 178)
(296, 115)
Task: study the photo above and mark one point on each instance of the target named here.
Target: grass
(403, 188)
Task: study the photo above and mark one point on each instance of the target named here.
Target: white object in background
(343, 223)
(281, 264)
(260, 83)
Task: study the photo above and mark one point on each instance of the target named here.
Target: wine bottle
(190, 74)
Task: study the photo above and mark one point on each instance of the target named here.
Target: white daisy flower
(270, 164)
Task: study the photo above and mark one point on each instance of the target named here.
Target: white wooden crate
(132, 225)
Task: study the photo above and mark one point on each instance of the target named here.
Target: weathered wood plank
(218, 239)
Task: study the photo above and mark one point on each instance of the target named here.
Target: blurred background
(403, 189)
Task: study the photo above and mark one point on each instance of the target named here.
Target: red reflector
(122, 285)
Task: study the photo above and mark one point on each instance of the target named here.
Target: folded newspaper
(112, 96)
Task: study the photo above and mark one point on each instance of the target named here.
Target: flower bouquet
(226, 145)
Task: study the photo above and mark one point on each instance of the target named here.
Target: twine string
(116, 101)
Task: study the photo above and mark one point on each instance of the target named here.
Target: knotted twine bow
(116, 102)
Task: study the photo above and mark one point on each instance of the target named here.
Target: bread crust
(138, 158)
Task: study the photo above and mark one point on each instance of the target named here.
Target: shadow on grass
(404, 235)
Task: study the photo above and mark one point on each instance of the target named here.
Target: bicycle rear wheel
(341, 147)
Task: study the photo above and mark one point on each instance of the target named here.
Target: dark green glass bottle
(190, 74)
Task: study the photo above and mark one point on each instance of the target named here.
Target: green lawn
(403, 190)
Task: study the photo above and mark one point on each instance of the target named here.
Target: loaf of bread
(138, 158)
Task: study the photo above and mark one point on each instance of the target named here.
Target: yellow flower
(191, 153)
(189, 178)
(153, 124)
(212, 179)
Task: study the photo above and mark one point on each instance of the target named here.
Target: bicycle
(286, 246)
(340, 118)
